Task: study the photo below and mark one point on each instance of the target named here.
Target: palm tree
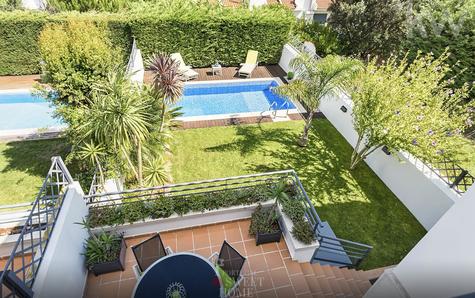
(317, 78)
(168, 81)
(93, 153)
(156, 172)
(117, 116)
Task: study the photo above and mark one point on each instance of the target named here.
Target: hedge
(202, 35)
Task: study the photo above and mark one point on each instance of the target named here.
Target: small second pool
(232, 97)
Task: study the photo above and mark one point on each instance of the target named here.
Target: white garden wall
(418, 188)
(442, 264)
(288, 53)
(62, 272)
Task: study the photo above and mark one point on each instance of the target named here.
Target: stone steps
(325, 280)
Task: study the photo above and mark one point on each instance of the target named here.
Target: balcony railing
(354, 251)
(19, 273)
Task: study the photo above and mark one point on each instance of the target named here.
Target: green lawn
(357, 204)
(23, 167)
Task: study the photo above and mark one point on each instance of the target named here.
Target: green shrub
(103, 248)
(323, 37)
(162, 207)
(75, 56)
(203, 33)
(303, 232)
(293, 209)
(87, 5)
(260, 221)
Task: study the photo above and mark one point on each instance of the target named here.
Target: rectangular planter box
(262, 238)
(298, 251)
(115, 265)
(192, 219)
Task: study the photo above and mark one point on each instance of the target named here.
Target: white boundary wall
(442, 264)
(426, 195)
(288, 53)
(63, 272)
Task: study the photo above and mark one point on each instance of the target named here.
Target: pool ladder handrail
(274, 111)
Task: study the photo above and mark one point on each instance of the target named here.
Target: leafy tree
(316, 79)
(441, 24)
(75, 55)
(410, 107)
(369, 27)
(323, 37)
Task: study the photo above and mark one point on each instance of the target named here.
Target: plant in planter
(104, 252)
(265, 222)
(290, 75)
(303, 232)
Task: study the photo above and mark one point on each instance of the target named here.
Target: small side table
(217, 69)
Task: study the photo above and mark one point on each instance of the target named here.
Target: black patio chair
(231, 261)
(147, 252)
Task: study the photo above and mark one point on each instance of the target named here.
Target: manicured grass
(23, 167)
(357, 204)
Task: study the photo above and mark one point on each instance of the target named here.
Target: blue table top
(185, 273)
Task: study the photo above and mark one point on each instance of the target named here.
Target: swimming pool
(231, 97)
(19, 109)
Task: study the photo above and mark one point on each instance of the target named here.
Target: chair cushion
(228, 281)
(247, 68)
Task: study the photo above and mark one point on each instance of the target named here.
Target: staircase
(324, 280)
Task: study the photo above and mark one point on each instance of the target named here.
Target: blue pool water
(21, 109)
(231, 97)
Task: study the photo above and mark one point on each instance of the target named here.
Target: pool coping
(298, 110)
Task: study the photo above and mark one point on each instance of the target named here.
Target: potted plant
(290, 76)
(265, 221)
(104, 252)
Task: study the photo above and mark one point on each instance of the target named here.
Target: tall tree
(410, 107)
(369, 27)
(168, 81)
(117, 116)
(316, 79)
(441, 24)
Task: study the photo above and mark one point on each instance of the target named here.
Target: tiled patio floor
(269, 271)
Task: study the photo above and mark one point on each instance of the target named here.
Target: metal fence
(356, 252)
(455, 176)
(19, 273)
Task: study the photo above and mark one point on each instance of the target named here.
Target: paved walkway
(18, 82)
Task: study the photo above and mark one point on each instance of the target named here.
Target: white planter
(298, 251)
(192, 219)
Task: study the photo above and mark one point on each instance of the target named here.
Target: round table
(188, 274)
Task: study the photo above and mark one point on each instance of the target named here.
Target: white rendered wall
(62, 272)
(288, 53)
(442, 264)
(416, 186)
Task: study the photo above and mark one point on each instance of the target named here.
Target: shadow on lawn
(33, 157)
(356, 203)
(251, 138)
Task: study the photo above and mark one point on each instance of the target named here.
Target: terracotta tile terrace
(269, 271)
